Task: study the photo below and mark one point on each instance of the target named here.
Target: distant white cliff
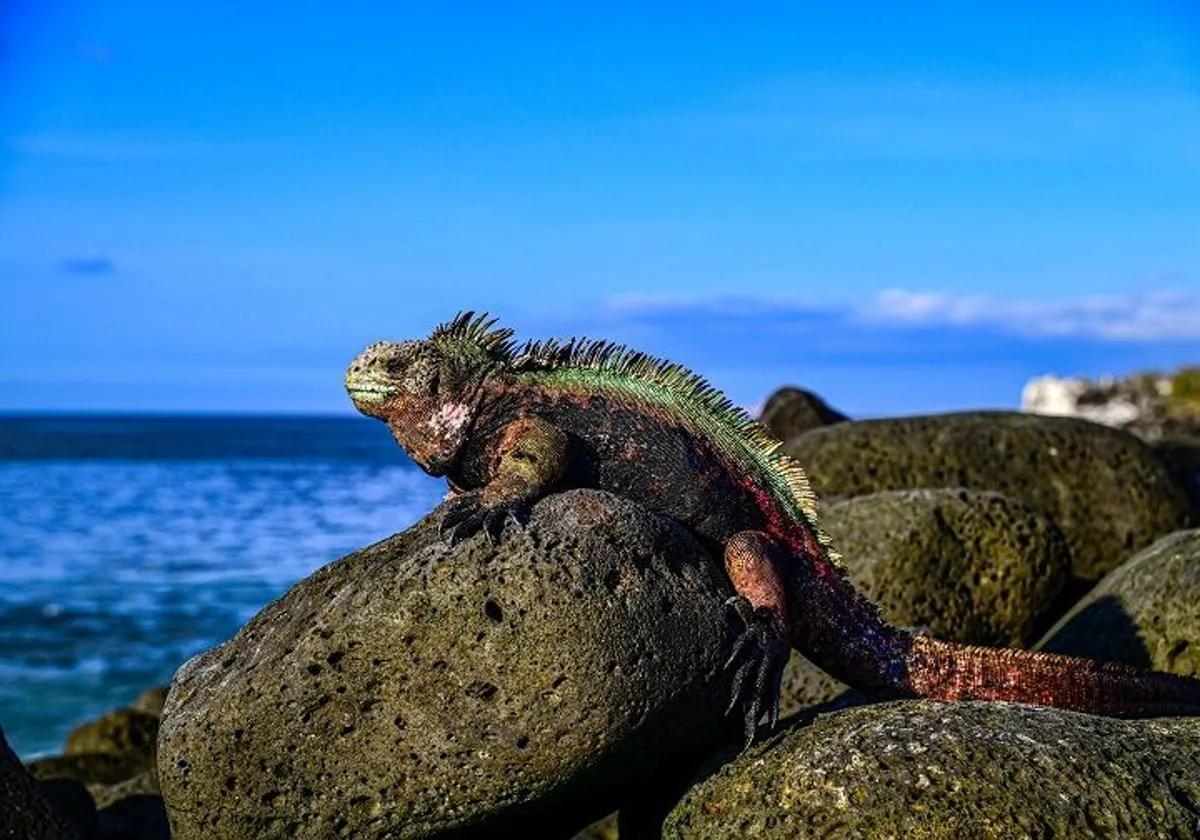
(1151, 404)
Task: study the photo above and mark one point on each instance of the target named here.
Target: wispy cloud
(1163, 315)
(88, 266)
(1159, 315)
(901, 350)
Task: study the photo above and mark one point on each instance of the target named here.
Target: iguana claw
(466, 515)
(763, 653)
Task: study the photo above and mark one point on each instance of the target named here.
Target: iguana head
(427, 391)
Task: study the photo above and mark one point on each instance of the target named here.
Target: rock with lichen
(1145, 613)
(965, 565)
(921, 770)
(1105, 489)
(414, 688)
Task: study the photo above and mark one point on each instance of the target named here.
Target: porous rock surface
(922, 769)
(1105, 489)
(1144, 613)
(965, 565)
(411, 688)
(968, 565)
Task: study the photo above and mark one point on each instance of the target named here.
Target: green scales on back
(673, 390)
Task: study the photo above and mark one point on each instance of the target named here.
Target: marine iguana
(506, 425)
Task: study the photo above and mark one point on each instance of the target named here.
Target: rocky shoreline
(571, 675)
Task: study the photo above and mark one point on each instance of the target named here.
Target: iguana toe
(762, 653)
(466, 515)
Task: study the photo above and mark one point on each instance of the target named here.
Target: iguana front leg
(751, 560)
(530, 457)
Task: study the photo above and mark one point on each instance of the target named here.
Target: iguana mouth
(368, 393)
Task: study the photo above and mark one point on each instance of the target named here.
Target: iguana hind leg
(531, 457)
(762, 649)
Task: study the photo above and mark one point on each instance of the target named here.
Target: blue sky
(907, 207)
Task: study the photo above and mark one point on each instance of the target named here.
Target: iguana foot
(763, 653)
(467, 514)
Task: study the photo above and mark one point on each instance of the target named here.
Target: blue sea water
(129, 544)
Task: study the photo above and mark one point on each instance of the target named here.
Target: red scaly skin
(506, 428)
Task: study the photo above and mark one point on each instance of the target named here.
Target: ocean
(129, 544)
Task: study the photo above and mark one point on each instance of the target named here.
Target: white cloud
(1160, 315)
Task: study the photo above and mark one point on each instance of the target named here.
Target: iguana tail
(950, 671)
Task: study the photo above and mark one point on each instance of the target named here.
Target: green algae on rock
(412, 688)
(1104, 488)
(966, 565)
(926, 770)
(1144, 613)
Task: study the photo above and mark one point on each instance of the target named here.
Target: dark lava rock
(70, 799)
(1145, 613)
(793, 411)
(151, 700)
(1182, 457)
(922, 769)
(90, 768)
(25, 814)
(123, 732)
(411, 688)
(967, 565)
(138, 817)
(1104, 488)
